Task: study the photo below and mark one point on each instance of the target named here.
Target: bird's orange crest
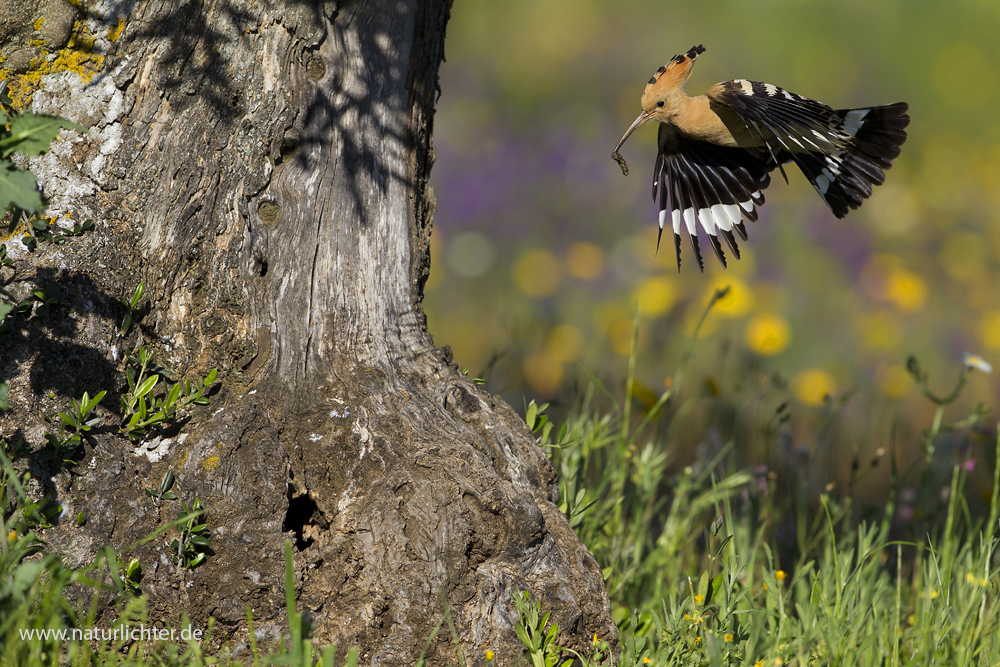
(675, 72)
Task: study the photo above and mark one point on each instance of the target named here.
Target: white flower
(977, 362)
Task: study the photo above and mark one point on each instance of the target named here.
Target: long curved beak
(643, 117)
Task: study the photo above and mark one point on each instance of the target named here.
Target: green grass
(690, 562)
(699, 571)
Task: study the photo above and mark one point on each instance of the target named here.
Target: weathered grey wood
(262, 167)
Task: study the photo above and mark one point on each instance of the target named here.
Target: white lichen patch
(97, 105)
(155, 449)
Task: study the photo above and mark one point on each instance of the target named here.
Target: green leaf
(714, 588)
(137, 295)
(18, 187)
(147, 386)
(173, 395)
(529, 417)
(722, 546)
(551, 634)
(90, 405)
(703, 587)
(32, 133)
(4, 396)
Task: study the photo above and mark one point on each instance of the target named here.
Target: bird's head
(659, 100)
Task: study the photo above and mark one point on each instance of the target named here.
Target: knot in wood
(462, 403)
(315, 68)
(269, 212)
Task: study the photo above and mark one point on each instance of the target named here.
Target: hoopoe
(716, 151)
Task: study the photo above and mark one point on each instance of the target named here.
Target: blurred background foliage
(542, 250)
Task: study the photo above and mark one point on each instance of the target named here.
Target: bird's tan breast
(717, 124)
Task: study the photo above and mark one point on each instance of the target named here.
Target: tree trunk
(262, 168)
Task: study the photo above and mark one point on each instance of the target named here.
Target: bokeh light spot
(880, 330)
(989, 330)
(585, 261)
(537, 273)
(812, 385)
(543, 372)
(656, 295)
(620, 335)
(565, 343)
(471, 254)
(737, 302)
(768, 334)
(906, 290)
(895, 381)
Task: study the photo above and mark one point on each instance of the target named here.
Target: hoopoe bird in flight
(716, 151)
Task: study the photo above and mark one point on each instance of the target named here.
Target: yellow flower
(906, 290)
(933, 595)
(780, 575)
(596, 640)
(537, 273)
(812, 385)
(911, 620)
(11, 536)
(976, 581)
(699, 599)
(656, 296)
(489, 656)
(646, 660)
(543, 371)
(565, 343)
(759, 663)
(768, 334)
(989, 330)
(687, 617)
(739, 300)
(894, 381)
(728, 637)
(700, 620)
(765, 586)
(697, 640)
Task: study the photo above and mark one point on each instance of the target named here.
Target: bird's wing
(843, 152)
(715, 187)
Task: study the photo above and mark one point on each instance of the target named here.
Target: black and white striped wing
(843, 153)
(712, 188)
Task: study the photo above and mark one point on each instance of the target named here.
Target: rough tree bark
(262, 168)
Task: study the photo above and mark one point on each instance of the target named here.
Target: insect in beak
(643, 117)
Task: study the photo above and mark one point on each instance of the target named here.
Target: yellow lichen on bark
(115, 32)
(75, 57)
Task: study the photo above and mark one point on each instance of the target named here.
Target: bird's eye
(660, 103)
